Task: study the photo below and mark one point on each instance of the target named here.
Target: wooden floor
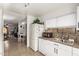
(13, 48)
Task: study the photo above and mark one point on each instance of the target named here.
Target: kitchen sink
(64, 41)
(67, 42)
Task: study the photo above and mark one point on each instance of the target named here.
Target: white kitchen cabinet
(75, 52)
(48, 48)
(42, 46)
(51, 23)
(53, 49)
(63, 21)
(68, 20)
(1, 33)
(64, 50)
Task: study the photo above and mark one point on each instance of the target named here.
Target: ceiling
(17, 11)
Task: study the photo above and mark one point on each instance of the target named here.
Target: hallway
(13, 48)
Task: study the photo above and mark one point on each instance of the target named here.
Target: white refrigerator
(36, 32)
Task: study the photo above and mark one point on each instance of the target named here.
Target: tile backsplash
(53, 30)
(65, 33)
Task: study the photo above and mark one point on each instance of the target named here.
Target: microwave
(47, 34)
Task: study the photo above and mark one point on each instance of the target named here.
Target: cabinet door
(46, 47)
(75, 52)
(51, 23)
(34, 44)
(51, 48)
(42, 46)
(68, 20)
(64, 50)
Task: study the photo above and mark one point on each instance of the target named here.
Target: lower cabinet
(64, 50)
(42, 47)
(75, 52)
(52, 48)
(49, 48)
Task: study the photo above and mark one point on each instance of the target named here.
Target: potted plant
(37, 21)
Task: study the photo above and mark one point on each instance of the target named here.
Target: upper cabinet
(51, 23)
(66, 21)
(63, 21)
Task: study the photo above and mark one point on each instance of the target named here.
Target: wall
(1, 33)
(29, 21)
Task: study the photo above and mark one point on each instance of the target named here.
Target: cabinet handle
(55, 51)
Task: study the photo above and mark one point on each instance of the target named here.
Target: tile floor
(13, 48)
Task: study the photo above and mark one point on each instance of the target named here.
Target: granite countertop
(75, 45)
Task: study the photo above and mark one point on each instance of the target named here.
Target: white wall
(1, 33)
(29, 21)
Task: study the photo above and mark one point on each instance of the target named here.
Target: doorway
(15, 37)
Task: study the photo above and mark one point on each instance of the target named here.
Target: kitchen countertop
(75, 45)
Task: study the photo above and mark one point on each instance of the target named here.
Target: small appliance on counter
(47, 34)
